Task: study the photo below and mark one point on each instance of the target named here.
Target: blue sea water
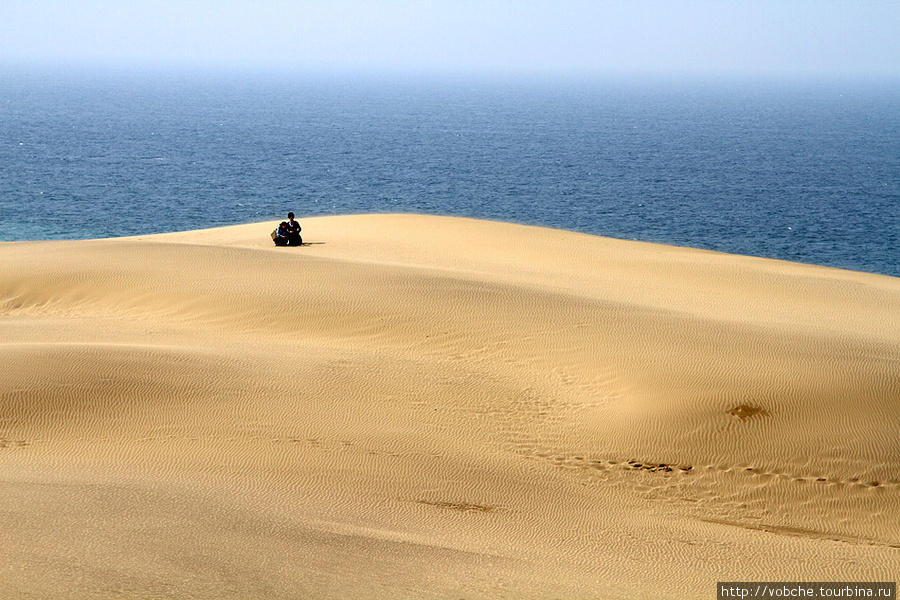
(808, 172)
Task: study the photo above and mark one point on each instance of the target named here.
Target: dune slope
(428, 407)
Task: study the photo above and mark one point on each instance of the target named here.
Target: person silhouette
(280, 235)
(293, 231)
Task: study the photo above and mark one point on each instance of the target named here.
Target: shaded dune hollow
(412, 406)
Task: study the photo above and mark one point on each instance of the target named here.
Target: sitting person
(280, 236)
(293, 231)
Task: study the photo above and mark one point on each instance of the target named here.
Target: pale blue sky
(736, 37)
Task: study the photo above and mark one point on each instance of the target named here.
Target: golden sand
(428, 407)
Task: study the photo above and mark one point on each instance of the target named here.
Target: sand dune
(427, 407)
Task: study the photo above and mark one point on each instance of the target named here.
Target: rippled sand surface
(428, 407)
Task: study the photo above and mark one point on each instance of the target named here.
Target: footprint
(7, 443)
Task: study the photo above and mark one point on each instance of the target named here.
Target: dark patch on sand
(745, 411)
(460, 506)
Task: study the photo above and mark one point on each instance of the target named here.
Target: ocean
(801, 171)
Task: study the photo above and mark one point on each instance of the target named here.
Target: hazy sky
(781, 37)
